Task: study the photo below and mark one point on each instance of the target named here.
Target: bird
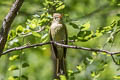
(58, 33)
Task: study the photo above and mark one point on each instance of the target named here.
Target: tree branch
(24, 47)
(7, 23)
(59, 44)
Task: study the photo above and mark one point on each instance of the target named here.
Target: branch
(59, 44)
(86, 49)
(24, 47)
(7, 23)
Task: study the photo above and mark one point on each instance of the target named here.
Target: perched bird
(58, 33)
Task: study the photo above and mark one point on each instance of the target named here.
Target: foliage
(84, 34)
(84, 29)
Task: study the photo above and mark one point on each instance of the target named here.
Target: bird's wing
(66, 40)
(54, 49)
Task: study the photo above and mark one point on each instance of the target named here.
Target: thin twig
(24, 47)
(42, 28)
(114, 60)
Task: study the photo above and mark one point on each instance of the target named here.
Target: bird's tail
(61, 67)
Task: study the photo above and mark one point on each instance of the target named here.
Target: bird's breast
(57, 32)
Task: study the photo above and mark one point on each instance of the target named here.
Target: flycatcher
(58, 33)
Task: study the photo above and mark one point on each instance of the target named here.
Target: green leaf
(116, 77)
(14, 57)
(24, 65)
(27, 30)
(70, 71)
(118, 15)
(36, 34)
(85, 35)
(113, 24)
(118, 4)
(94, 53)
(11, 78)
(19, 29)
(74, 25)
(13, 67)
(62, 77)
(24, 77)
(33, 23)
(93, 74)
(85, 26)
(12, 33)
(60, 8)
(98, 34)
(44, 21)
(79, 67)
(42, 15)
(118, 23)
(73, 38)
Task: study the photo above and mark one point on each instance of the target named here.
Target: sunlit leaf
(44, 48)
(11, 78)
(12, 33)
(116, 77)
(94, 53)
(103, 53)
(85, 26)
(62, 77)
(14, 57)
(60, 8)
(70, 72)
(27, 30)
(79, 67)
(93, 74)
(19, 29)
(36, 34)
(118, 4)
(13, 67)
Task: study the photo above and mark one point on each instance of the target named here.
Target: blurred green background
(99, 13)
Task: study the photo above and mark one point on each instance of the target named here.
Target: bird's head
(57, 17)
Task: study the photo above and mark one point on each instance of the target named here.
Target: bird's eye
(56, 18)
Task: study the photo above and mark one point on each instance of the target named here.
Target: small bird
(58, 33)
